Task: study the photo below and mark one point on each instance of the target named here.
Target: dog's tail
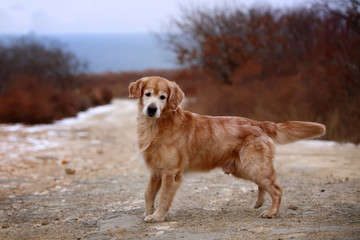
(291, 131)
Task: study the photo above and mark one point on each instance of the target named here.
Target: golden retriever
(172, 141)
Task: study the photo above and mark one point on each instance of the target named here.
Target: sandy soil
(82, 179)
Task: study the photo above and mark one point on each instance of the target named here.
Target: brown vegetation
(277, 65)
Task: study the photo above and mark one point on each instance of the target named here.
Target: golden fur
(173, 141)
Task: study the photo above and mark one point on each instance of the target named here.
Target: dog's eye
(148, 94)
(162, 97)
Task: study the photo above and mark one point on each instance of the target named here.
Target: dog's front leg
(150, 194)
(170, 183)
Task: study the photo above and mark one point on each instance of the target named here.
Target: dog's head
(157, 95)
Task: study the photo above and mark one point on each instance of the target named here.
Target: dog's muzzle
(151, 110)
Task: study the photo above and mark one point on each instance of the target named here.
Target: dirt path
(81, 179)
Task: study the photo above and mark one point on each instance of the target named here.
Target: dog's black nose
(151, 110)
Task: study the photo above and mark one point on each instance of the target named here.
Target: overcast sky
(102, 16)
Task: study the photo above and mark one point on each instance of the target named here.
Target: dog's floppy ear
(176, 96)
(135, 88)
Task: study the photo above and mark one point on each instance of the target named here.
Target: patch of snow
(39, 144)
(11, 128)
(37, 128)
(23, 128)
(83, 116)
(117, 107)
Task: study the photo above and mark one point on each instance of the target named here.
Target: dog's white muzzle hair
(152, 107)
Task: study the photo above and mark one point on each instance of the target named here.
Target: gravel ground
(81, 178)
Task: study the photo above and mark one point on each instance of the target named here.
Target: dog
(173, 141)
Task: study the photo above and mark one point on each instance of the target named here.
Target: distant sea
(117, 52)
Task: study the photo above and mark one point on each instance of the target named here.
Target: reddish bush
(30, 102)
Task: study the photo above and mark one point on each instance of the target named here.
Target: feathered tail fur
(291, 131)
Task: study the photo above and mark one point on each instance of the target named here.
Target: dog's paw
(153, 218)
(267, 214)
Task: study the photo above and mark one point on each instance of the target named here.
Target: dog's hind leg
(267, 184)
(260, 198)
(170, 183)
(265, 178)
(150, 194)
(266, 181)
(255, 164)
(275, 193)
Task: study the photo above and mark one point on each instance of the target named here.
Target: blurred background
(266, 60)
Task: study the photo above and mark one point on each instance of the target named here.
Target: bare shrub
(280, 64)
